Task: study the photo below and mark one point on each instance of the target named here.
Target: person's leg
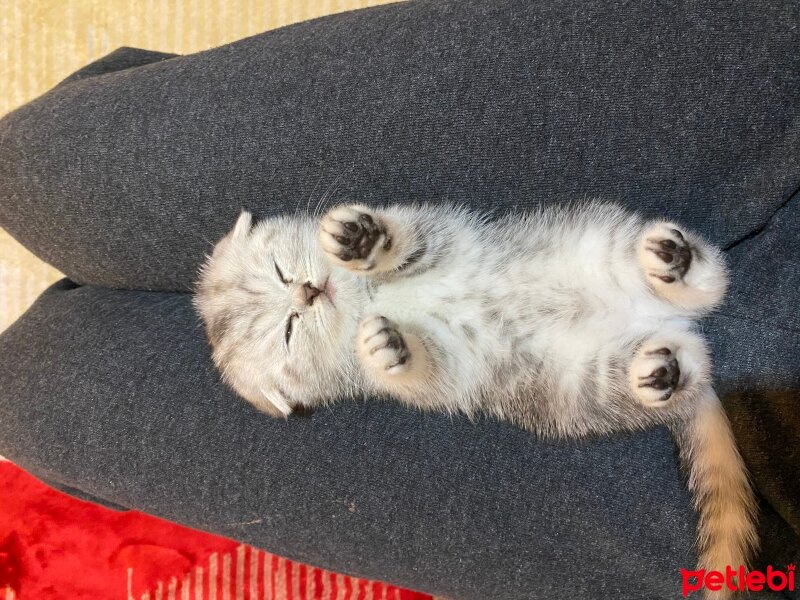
(129, 409)
(118, 60)
(127, 179)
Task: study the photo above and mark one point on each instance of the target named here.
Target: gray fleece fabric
(126, 173)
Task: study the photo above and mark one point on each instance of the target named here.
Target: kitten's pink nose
(310, 292)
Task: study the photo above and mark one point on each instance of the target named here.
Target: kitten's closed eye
(281, 276)
(290, 327)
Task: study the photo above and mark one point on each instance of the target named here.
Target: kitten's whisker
(311, 195)
(330, 188)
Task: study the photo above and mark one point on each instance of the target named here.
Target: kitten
(566, 322)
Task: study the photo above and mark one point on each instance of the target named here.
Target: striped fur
(567, 322)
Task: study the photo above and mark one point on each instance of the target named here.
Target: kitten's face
(280, 319)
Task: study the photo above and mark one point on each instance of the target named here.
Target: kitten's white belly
(535, 312)
(568, 329)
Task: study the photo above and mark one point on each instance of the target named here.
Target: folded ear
(277, 404)
(272, 404)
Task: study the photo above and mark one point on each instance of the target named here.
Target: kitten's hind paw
(669, 255)
(682, 268)
(354, 237)
(382, 347)
(668, 366)
(655, 374)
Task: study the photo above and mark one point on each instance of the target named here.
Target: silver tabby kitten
(566, 322)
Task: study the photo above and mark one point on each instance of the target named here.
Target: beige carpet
(43, 41)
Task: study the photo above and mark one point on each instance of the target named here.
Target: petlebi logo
(739, 580)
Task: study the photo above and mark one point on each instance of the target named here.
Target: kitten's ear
(272, 404)
(243, 225)
(240, 231)
(281, 407)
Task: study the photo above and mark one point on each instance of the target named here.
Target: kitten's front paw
(382, 347)
(354, 237)
(682, 268)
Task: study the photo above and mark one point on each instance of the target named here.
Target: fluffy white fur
(566, 322)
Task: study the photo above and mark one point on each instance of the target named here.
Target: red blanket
(54, 547)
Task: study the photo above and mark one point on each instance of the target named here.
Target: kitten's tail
(720, 487)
